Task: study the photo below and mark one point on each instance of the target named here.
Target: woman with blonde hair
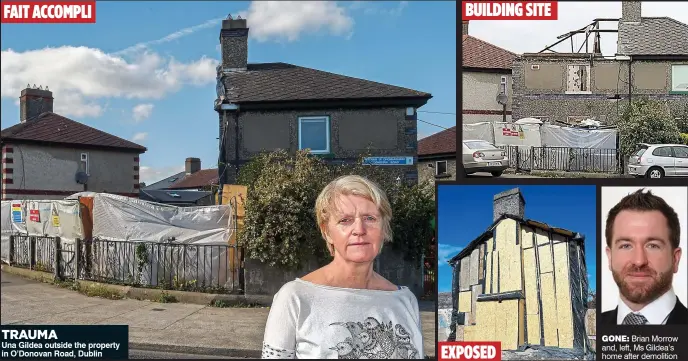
(346, 310)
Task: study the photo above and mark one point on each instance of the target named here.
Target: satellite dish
(502, 99)
(81, 177)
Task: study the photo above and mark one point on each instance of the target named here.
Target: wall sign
(17, 216)
(388, 160)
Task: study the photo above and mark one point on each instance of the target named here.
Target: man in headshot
(642, 233)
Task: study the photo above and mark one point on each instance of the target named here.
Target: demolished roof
(527, 222)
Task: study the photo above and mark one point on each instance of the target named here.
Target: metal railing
(566, 159)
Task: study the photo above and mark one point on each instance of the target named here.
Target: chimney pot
(192, 165)
(34, 102)
(509, 202)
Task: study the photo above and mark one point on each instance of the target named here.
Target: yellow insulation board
(545, 258)
(465, 301)
(526, 237)
(563, 295)
(549, 309)
(485, 322)
(521, 321)
(506, 323)
(532, 305)
(509, 257)
(541, 237)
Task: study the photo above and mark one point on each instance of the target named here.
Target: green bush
(684, 138)
(646, 121)
(280, 225)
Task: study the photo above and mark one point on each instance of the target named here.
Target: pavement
(155, 329)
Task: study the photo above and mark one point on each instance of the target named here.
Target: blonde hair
(325, 205)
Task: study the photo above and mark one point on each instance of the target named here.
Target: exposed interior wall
(538, 274)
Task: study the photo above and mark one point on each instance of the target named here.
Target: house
(179, 198)
(521, 282)
(271, 106)
(437, 156)
(486, 76)
(195, 178)
(651, 62)
(166, 182)
(49, 156)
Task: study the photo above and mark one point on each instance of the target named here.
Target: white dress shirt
(656, 312)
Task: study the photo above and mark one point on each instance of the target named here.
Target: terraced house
(271, 106)
(650, 61)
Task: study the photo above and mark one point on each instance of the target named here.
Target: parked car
(659, 160)
(483, 156)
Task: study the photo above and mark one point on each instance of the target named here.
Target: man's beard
(646, 292)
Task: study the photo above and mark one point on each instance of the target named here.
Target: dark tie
(634, 319)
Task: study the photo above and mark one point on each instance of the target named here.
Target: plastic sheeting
(43, 218)
(556, 136)
(479, 131)
(118, 218)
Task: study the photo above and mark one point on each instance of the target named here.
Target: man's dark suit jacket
(678, 316)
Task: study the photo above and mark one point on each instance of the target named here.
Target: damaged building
(521, 282)
(650, 62)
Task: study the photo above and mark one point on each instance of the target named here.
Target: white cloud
(150, 175)
(445, 252)
(524, 36)
(142, 111)
(80, 76)
(376, 7)
(139, 137)
(281, 20)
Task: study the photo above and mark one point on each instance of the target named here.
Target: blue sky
(146, 70)
(465, 212)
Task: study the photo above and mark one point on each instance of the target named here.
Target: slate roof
(172, 196)
(269, 82)
(477, 53)
(202, 178)
(653, 36)
(438, 143)
(54, 128)
(165, 183)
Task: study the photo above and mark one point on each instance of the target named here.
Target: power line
(431, 112)
(439, 126)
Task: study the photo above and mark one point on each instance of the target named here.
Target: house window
(679, 79)
(578, 79)
(314, 134)
(410, 111)
(441, 167)
(83, 166)
(503, 86)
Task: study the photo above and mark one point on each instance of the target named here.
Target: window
(681, 152)
(503, 89)
(578, 79)
(662, 152)
(83, 166)
(314, 134)
(441, 167)
(410, 111)
(679, 79)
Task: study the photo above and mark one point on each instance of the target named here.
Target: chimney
(192, 165)
(234, 43)
(464, 27)
(34, 101)
(509, 202)
(631, 11)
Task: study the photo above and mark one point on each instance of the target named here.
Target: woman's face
(355, 229)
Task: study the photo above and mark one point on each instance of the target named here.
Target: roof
(438, 143)
(202, 178)
(477, 53)
(165, 183)
(172, 196)
(270, 82)
(527, 222)
(653, 36)
(56, 129)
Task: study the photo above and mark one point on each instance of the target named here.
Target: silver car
(483, 156)
(659, 160)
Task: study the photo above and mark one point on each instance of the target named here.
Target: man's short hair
(645, 202)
